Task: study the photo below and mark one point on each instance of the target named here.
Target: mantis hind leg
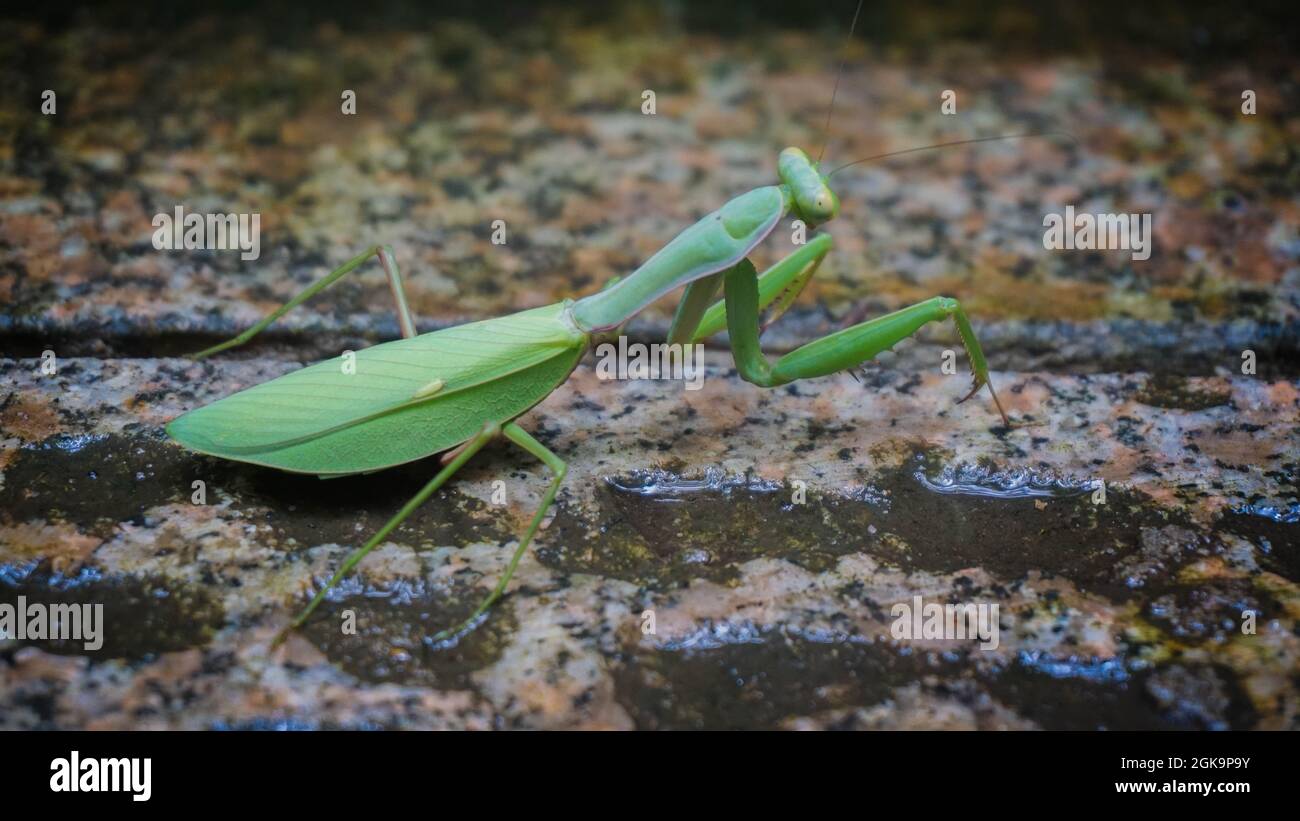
(489, 432)
(843, 349)
(557, 466)
(386, 258)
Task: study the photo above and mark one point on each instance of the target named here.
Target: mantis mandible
(455, 390)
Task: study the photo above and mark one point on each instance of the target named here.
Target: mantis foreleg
(385, 253)
(778, 287)
(692, 308)
(843, 349)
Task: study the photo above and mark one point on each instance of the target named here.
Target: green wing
(404, 400)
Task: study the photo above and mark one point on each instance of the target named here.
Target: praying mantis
(453, 391)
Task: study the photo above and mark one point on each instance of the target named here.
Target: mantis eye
(824, 205)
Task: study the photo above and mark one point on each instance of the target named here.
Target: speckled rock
(447, 139)
(680, 504)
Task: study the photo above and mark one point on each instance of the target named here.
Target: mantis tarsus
(453, 391)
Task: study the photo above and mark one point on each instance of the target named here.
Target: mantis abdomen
(391, 403)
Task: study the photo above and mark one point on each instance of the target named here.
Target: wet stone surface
(393, 639)
(142, 618)
(656, 529)
(722, 558)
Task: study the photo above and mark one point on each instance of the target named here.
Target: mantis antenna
(830, 109)
(874, 157)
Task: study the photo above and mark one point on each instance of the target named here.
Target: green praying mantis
(453, 391)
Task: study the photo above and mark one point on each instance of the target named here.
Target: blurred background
(531, 113)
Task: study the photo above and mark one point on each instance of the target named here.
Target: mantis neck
(715, 243)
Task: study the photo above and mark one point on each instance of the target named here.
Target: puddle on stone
(760, 680)
(1087, 694)
(141, 616)
(96, 482)
(757, 684)
(656, 528)
(311, 511)
(1209, 611)
(982, 480)
(945, 519)
(1274, 530)
(1168, 390)
(393, 626)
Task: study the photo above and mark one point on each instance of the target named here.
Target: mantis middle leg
(489, 432)
(386, 258)
(557, 466)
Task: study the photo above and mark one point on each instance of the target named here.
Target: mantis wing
(400, 401)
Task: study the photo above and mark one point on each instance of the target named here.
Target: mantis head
(810, 192)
